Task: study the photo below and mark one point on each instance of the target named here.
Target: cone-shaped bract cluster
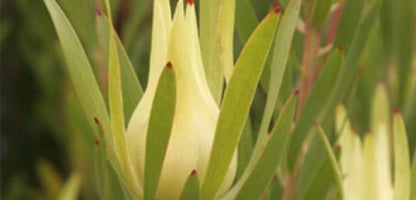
(195, 118)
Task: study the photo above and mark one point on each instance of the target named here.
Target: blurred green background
(44, 133)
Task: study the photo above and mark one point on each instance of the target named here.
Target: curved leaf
(158, 133)
(401, 159)
(265, 168)
(236, 104)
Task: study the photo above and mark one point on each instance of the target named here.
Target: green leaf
(246, 19)
(109, 184)
(71, 187)
(349, 21)
(49, 178)
(410, 117)
(245, 148)
(333, 161)
(236, 104)
(403, 28)
(281, 51)
(262, 174)
(132, 90)
(351, 64)
(118, 130)
(209, 37)
(373, 65)
(159, 130)
(316, 168)
(316, 101)
(226, 15)
(191, 188)
(79, 67)
(133, 22)
(320, 12)
(401, 159)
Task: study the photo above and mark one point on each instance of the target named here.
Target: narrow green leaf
(226, 15)
(79, 67)
(349, 20)
(191, 188)
(316, 168)
(49, 178)
(401, 159)
(209, 37)
(118, 131)
(109, 184)
(245, 148)
(404, 34)
(131, 29)
(281, 51)
(410, 117)
(246, 19)
(158, 134)
(265, 168)
(316, 101)
(351, 64)
(373, 65)
(71, 187)
(320, 12)
(333, 161)
(236, 104)
(132, 90)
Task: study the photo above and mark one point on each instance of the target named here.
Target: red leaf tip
(193, 172)
(191, 2)
(169, 64)
(296, 92)
(316, 123)
(98, 12)
(340, 48)
(278, 9)
(96, 120)
(396, 111)
(97, 142)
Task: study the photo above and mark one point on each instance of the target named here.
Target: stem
(334, 24)
(310, 66)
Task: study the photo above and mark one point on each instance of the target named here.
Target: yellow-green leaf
(158, 133)
(71, 188)
(191, 189)
(236, 104)
(401, 159)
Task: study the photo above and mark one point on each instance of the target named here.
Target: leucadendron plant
(214, 125)
(177, 135)
(367, 169)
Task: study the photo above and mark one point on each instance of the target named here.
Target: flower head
(176, 42)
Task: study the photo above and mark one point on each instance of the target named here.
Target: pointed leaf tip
(296, 92)
(191, 2)
(194, 172)
(316, 124)
(278, 9)
(97, 142)
(396, 111)
(98, 12)
(340, 48)
(96, 120)
(169, 64)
